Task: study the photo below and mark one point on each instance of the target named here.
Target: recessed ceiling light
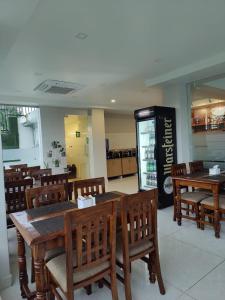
(81, 35)
(113, 100)
(38, 73)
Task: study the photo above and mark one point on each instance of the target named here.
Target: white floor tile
(183, 265)
(185, 297)
(203, 239)
(210, 287)
(127, 185)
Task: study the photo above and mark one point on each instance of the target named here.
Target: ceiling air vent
(58, 87)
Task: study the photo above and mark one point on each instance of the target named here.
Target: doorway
(77, 148)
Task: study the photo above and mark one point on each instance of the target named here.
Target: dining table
(201, 180)
(42, 229)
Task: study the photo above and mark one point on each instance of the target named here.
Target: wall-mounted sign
(77, 134)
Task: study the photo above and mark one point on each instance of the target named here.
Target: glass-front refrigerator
(156, 150)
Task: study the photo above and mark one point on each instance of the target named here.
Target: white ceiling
(128, 42)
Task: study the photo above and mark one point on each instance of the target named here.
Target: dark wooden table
(42, 229)
(205, 181)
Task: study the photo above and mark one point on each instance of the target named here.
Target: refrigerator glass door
(146, 155)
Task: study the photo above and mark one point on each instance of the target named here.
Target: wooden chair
(93, 232)
(190, 200)
(45, 195)
(59, 179)
(15, 196)
(28, 170)
(38, 174)
(18, 167)
(209, 209)
(13, 176)
(86, 187)
(139, 237)
(196, 166)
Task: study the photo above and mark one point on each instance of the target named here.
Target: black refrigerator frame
(165, 148)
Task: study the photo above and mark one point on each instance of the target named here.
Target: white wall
(177, 96)
(29, 143)
(52, 124)
(120, 130)
(97, 150)
(5, 275)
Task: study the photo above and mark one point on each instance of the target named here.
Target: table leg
(23, 277)
(217, 223)
(40, 278)
(178, 206)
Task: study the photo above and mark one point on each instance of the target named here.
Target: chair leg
(114, 286)
(127, 284)
(32, 270)
(158, 273)
(100, 284)
(88, 289)
(196, 208)
(174, 209)
(188, 208)
(202, 217)
(179, 213)
(151, 269)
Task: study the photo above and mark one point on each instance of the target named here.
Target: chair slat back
(37, 174)
(178, 169)
(15, 195)
(196, 166)
(45, 195)
(139, 218)
(8, 171)
(18, 167)
(59, 179)
(93, 232)
(27, 171)
(86, 187)
(13, 176)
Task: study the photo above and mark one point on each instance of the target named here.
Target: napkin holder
(215, 170)
(84, 202)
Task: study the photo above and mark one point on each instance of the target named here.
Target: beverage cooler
(156, 150)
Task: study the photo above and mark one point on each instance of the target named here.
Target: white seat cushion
(133, 251)
(210, 201)
(194, 196)
(57, 267)
(53, 253)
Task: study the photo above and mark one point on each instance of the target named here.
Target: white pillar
(5, 275)
(178, 96)
(96, 128)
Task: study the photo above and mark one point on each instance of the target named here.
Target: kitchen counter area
(121, 162)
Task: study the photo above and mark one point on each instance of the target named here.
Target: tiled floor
(192, 261)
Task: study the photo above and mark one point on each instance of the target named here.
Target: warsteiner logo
(168, 146)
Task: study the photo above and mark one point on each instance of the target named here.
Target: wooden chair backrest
(15, 195)
(54, 179)
(93, 231)
(13, 176)
(39, 173)
(59, 179)
(18, 167)
(196, 166)
(45, 195)
(8, 171)
(139, 219)
(86, 187)
(27, 171)
(178, 169)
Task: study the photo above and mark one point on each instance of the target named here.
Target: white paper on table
(84, 202)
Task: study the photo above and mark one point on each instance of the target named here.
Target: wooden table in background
(205, 181)
(43, 229)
